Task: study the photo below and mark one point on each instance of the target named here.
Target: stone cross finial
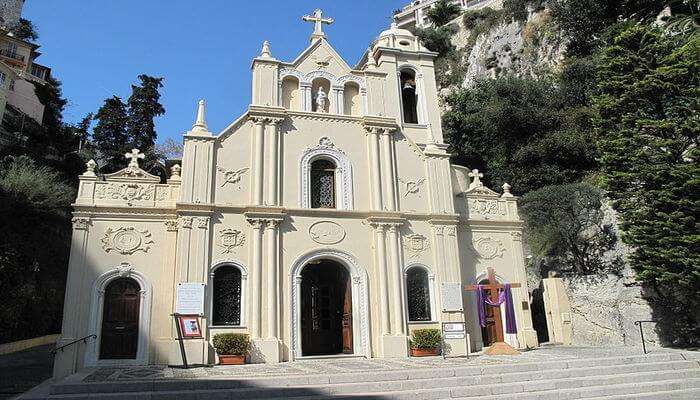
(265, 53)
(317, 19)
(90, 168)
(370, 59)
(200, 125)
(133, 158)
(476, 175)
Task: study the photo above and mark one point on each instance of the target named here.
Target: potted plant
(425, 342)
(231, 348)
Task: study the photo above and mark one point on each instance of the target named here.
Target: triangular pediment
(320, 55)
(481, 191)
(132, 174)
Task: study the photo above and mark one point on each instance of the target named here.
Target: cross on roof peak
(133, 157)
(318, 20)
(477, 178)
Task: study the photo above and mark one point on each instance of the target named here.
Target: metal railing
(11, 54)
(641, 332)
(83, 339)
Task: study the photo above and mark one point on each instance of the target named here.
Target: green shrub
(426, 339)
(231, 344)
(443, 12)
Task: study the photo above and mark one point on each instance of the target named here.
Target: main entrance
(120, 320)
(326, 309)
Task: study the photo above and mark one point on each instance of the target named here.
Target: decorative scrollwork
(126, 240)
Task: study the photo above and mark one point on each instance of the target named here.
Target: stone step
(633, 390)
(545, 388)
(496, 373)
(688, 394)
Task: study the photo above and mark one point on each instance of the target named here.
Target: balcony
(12, 57)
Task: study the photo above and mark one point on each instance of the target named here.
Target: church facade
(325, 221)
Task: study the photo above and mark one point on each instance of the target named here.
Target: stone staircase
(656, 376)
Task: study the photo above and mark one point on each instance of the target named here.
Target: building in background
(19, 74)
(414, 14)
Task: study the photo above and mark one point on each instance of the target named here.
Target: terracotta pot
(231, 360)
(425, 352)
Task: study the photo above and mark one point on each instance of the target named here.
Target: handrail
(641, 332)
(83, 339)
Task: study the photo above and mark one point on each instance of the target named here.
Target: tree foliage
(124, 126)
(566, 227)
(518, 131)
(443, 12)
(648, 127)
(34, 209)
(585, 22)
(109, 135)
(144, 106)
(25, 30)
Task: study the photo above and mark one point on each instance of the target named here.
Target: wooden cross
(317, 19)
(493, 286)
(133, 157)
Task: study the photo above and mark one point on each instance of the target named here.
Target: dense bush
(565, 227)
(231, 344)
(426, 339)
(34, 244)
(443, 12)
(518, 131)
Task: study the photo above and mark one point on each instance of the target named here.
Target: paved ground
(23, 370)
(311, 367)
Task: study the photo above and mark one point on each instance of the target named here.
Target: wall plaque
(190, 298)
(451, 296)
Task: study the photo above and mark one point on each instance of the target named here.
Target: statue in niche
(321, 99)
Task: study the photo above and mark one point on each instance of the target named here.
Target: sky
(203, 48)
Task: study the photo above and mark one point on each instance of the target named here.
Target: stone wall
(604, 308)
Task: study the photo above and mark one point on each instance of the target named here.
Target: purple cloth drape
(504, 295)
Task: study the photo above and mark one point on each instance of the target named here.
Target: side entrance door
(120, 320)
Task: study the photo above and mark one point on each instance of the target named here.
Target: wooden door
(322, 309)
(120, 320)
(491, 332)
(347, 318)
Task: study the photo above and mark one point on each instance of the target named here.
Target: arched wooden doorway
(120, 320)
(326, 309)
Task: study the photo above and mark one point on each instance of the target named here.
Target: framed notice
(451, 294)
(454, 330)
(190, 298)
(189, 326)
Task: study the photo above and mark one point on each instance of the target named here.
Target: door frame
(360, 321)
(125, 270)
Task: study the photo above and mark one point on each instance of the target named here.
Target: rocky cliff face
(489, 44)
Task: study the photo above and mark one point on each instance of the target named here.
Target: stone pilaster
(256, 275)
(387, 157)
(273, 160)
(258, 159)
(374, 168)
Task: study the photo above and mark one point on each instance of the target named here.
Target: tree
(25, 30)
(443, 12)
(143, 107)
(109, 135)
(584, 22)
(648, 127)
(34, 242)
(565, 226)
(518, 131)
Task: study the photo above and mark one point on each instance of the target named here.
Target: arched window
(226, 299)
(323, 184)
(409, 98)
(418, 293)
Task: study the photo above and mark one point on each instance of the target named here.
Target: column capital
(185, 222)
(81, 223)
(171, 225)
(256, 223)
(272, 223)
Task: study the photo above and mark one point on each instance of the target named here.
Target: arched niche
(408, 85)
(291, 96)
(317, 84)
(352, 99)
